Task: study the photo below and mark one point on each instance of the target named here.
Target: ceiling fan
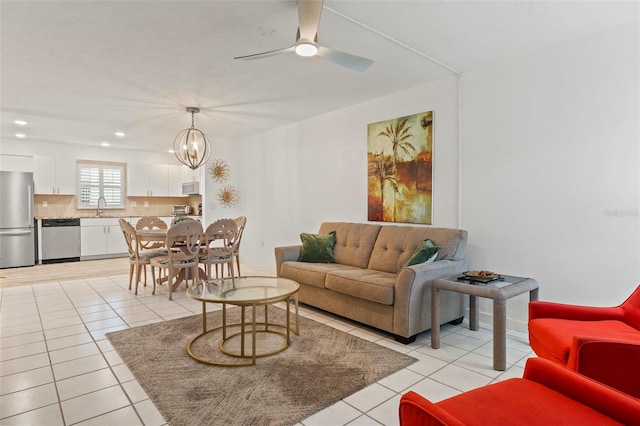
(306, 44)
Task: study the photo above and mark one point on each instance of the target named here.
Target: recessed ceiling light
(21, 135)
(171, 151)
(120, 134)
(105, 144)
(20, 122)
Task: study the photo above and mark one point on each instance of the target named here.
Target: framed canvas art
(400, 160)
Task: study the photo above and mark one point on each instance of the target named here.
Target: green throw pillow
(425, 252)
(317, 248)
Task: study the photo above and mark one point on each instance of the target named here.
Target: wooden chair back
(151, 222)
(219, 247)
(184, 240)
(130, 237)
(241, 221)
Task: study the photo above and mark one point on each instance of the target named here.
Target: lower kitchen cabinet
(101, 238)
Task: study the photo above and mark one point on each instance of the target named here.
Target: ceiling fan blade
(266, 54)
(309, 12)
(347, 60)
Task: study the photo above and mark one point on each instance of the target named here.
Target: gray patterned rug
(322, 366)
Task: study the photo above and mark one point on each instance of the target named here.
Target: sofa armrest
(416, 410)
(584, 390)
(412, 296)
(285, 254)
(613, 362)
(540, 309)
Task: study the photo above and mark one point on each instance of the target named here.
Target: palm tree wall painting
(399, 156)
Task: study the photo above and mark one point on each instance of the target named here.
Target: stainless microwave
(191, 188)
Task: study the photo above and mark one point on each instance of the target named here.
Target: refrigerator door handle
(15, 232)
(30, 204)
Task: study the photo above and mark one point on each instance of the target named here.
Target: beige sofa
(368, 283)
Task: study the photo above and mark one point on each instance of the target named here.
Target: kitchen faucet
(99, 209)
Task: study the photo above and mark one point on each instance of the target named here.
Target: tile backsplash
(58, 206)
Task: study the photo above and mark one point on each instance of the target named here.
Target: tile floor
(57, 368)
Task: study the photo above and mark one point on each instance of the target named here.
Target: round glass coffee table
(239, 338)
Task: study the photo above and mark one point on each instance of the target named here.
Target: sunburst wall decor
(220, 171)
(228, 196)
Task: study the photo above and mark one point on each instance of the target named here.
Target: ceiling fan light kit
(309, 12)
(306, 49)
(191, 146)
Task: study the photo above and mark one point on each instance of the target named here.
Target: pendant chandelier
(191, 146)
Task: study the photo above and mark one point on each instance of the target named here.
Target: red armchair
(600, 342)
(547, 394)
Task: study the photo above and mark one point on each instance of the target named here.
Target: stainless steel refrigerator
(17, 230)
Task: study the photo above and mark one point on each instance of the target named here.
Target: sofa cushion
(310, 273)
(557, 335)
(317, 248)
(395, 245)
(367, 284)
(354, 242)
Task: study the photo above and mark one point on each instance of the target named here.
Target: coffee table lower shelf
(244, 334)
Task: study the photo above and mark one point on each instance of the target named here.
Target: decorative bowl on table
(482, 275)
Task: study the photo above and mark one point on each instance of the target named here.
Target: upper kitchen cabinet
(147, 180)
(179, 175)
(175, 180)
(189, 175)
(16, 163)
(54, 175)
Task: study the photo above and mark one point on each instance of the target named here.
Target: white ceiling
(78, 71)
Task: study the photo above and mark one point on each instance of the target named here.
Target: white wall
(550, 149)
(211, 208)
(298, 176)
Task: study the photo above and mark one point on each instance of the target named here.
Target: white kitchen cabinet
(16, 163)
(175, 181)
(101, 237)
(147, 180)
(54, 175)
(189, 175)
(159, 180)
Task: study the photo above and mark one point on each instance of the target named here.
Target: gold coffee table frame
(246, 292)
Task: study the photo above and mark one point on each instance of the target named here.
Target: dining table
(156, 235)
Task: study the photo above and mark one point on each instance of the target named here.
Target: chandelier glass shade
(191, 146)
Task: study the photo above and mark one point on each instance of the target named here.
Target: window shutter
(100, 180)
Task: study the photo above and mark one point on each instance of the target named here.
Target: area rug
(322, 366)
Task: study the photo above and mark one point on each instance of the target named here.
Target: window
(99, 179)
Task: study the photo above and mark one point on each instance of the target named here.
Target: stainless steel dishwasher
(60, 240)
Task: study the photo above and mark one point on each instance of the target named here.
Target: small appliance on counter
(181, 210)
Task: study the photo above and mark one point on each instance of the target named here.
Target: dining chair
(241, 221)
(183, 249)
(219, 246)
(138, 258)
(151, 222)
